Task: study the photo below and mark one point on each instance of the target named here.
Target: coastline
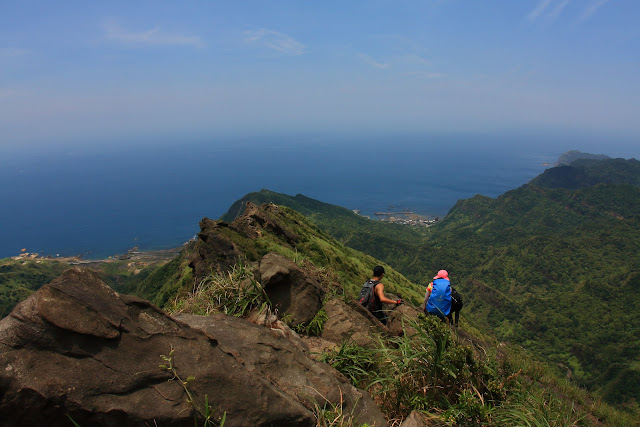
(134, 260)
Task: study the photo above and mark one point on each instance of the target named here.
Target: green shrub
(235, 293)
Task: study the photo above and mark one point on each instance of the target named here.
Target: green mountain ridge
(276, 228)
(559, 261)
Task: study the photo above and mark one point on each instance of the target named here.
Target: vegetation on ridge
(18, 280)
(553, 268)
(443, 373)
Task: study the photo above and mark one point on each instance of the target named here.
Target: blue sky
(98, 72)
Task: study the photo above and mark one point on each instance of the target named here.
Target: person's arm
(380, 294)
(426, 296)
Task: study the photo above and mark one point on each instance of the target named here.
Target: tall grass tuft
(235, 293)
(354, 361)
(538, 408)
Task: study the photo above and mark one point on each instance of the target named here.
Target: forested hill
(588, 172)
(565, 263)
(551, 265)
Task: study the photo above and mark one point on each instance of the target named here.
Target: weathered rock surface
(400, 319)
(417, 419)
(213, 252)
(316, 346)
(216, 250)
(290, 289)
(257, 218)
(283, 364)
(77, 348)
(347, 322)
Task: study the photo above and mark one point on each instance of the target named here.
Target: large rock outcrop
(214, 251)
(401, 321)
(78, 349)
(283, 364)
(291, 290)
(217, 248)
(351, 322)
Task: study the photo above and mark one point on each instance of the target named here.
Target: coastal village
(405, 217)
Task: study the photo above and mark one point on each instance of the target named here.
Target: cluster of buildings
(421, 222)
(404, 218)
(26, 255)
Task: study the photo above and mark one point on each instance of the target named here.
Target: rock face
(216, 250)
(298, 376)
(289, 288)
(76, 348)
(417, 419)
(400, 319)
(347, 322)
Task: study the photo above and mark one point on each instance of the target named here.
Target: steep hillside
(272, 260)
(427, 369)
(376, 238)
(567, 255)
(396, 244)
(284, 229)
(258, 231)
(553, 266)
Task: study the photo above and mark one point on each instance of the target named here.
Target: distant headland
(573, 155)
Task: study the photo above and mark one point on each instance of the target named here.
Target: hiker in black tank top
(378, 291)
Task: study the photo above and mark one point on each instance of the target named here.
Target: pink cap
(442, 274)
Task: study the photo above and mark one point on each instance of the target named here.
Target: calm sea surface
(104, 201)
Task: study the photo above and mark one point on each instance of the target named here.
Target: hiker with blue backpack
(372, 295)
(437, 300)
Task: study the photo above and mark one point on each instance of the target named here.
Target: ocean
(98, 202)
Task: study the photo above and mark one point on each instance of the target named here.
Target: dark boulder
(350, 322)
(290, 289)
(222, 245)
(214, 252)
(267, 354)
(401, 321)
(78, 349)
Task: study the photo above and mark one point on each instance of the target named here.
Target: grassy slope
(351, 267)
(538, 256)
(433, 371)
(550, 267)
(396, 244)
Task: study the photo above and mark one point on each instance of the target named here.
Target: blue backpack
(440, 300)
